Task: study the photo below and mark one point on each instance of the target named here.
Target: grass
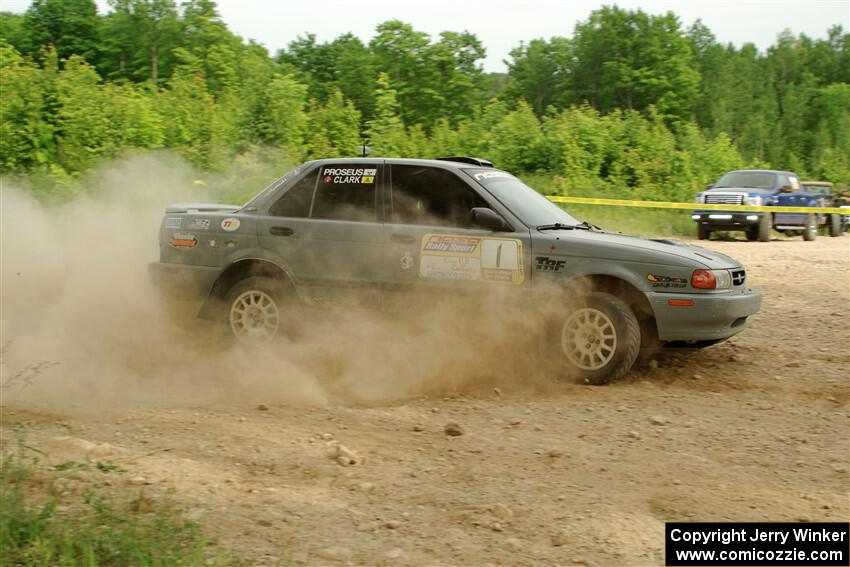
(39, 526)
(631, 220)
(634, 220)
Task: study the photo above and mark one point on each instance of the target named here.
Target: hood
(201, 208)
(616, 246)
(747, 190)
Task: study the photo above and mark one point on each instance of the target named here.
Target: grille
(724, 199)
(738, 277)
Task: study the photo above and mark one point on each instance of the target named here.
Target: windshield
(531, 207)
(817, 188)
(751, 179)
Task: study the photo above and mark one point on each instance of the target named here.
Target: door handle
(281, 231)
(402, 238)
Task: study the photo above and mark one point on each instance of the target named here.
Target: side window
(296, 201)
(431, 196)
(346, 192)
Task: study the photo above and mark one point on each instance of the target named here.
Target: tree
(138, 38)
(385, 132)
(631, 60)
(539, 73)
(70, 26)
(333, 130)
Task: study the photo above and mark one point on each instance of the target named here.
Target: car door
(327, 232)
(430, 245)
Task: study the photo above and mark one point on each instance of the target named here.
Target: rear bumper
(710, 317)
(182, 280)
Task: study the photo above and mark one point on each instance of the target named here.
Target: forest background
(630, 105)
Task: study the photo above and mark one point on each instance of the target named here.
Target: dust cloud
(78, 307)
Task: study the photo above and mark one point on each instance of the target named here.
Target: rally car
(380, 230)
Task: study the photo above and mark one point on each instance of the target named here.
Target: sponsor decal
(173, 222)
(407, 261)
(181, 240)
(230, 244)
(199, 224)
(547, 264)
(453, 244)
(349, 175)
(457, 257)
(230, 224)
(491, 175)
(656, 280)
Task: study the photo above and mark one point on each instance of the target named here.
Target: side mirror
(786, 189)
(484, 217)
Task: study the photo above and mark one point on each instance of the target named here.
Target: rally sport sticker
(471, 258)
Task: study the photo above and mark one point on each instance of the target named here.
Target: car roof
(764, 171)
(442, 163)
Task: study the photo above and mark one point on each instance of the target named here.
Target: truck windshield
(749, 179)
(531, 207)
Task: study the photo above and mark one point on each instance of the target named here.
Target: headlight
(711, 279)
(754, 201)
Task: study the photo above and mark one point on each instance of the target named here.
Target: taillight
(703, 279)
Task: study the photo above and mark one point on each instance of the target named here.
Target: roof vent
(470, 160)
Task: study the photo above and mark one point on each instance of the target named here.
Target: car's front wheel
(599, 339)
(255, 309)
(811, 230)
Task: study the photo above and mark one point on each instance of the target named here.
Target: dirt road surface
(754, 429)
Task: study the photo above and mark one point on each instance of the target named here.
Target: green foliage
(386, 132)
(33, 530)
(630, 105)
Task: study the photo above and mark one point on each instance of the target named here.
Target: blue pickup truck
(761, 187)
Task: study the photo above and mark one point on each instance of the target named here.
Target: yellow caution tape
(693, 206)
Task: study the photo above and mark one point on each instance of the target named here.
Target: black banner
(745, 544)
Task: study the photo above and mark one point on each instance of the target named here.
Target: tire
(598, 340)
(835, 225)
(752, 233)
(811, 230)
(764, 226)
(254, 309)
(702, 232)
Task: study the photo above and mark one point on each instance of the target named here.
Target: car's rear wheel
(598, 339)
(811, 230)
(835, 225)
(255, 309)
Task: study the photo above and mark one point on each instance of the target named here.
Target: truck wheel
(599, 339)
(702, 232)
(764, 226)
(834, 225)
(752, 233)
(254, 309)
(811, 230)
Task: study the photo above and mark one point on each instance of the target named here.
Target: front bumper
(723, 220)
(183, 281)
(711, 316)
